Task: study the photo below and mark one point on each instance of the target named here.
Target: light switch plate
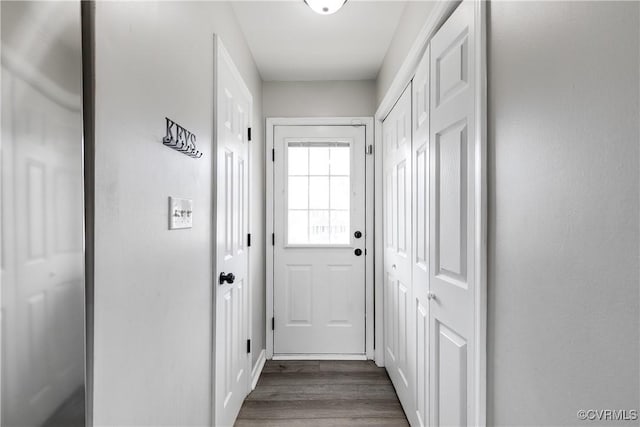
(180, 213)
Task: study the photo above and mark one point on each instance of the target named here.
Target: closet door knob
(431, 296)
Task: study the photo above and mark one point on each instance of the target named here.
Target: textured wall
(563, 204)
(153, 287)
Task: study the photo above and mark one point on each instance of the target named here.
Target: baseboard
(319, 357)
(257, 369)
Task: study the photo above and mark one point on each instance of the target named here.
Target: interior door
(454, 158)
(397, 171)
(319, 239)
(420, 233)
(232, 360)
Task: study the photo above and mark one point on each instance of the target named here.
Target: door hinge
(273, 239)
(248, 346)
(273, 323)
(369, 149)
(249, 133)
(273, 154)
(249, 240)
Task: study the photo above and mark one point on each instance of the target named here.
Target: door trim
(406, 73)
(372, 317)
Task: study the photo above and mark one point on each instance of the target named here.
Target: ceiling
(290, 42)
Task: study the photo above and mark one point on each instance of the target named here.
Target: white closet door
(420, 235)
(397, 248)
(452, 221)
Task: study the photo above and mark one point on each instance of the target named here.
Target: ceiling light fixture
(325, 7)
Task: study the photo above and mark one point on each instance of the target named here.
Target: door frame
(372, 316)
(441, 12)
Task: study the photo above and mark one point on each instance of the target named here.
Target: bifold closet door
(452, 216)
(420, 234)
(397, 248)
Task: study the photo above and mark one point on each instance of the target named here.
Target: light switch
(180, 213)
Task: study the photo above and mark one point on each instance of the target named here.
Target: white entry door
(232, 360)
(319, 239)
(398, 311)
(454, 221)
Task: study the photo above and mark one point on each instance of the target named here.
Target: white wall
(153, 287)
(563, 231)
(413, 19)
(319, 99)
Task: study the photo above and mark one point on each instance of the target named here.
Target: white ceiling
(290, 42)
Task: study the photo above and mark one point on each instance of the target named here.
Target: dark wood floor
(322, 394)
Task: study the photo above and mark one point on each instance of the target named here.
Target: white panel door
(232, 118)
(420, 235)
(319, 253)
(452, 221)
(398, 292)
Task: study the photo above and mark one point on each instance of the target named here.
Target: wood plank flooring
(322, 394)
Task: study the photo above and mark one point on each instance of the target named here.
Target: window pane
(298, 192)
(319, 227)
(318, 160)
(340, 192)
(298, 160)
(319, 192)
(340, 227)
(340, 160)
(298, 227)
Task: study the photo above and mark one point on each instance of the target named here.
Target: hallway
(322, 393)
(327, 213)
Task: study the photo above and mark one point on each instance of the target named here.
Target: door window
(319, 193)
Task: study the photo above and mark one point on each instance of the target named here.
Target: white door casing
(398, 322)
(455, 158)
(319, 204)
(233, 109)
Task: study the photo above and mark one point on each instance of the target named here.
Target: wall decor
(180, 139)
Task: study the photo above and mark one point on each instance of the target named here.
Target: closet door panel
(452, 219)
(398, 244)
(420, 236)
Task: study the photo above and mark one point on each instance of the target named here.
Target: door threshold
(322, 356)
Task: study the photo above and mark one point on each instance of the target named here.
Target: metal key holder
(184, 141)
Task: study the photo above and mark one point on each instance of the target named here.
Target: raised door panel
(422, 364)
(450, 171)
(450, 377)
(342, 296)
(298, 295)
